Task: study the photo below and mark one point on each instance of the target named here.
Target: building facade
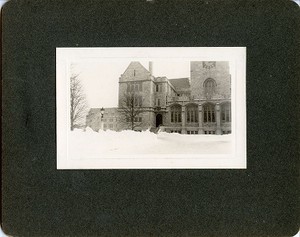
(200, 104)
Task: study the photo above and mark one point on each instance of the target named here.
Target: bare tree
(78, 102)
(131, 110)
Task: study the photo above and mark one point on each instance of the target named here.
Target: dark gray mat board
(39, 200)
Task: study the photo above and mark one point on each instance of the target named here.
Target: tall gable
(135, 72)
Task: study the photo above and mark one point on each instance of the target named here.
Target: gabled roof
(180, 83)
(135, 72)
(136, 65)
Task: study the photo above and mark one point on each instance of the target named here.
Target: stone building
(200, 104)
(110, 119)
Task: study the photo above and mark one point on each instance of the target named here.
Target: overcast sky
(100, 79)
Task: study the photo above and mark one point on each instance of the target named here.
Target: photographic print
(151, 108)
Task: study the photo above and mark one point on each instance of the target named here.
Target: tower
(210, 80)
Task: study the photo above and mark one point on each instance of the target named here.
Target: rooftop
(180, 83)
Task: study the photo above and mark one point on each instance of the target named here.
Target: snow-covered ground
(110, 143)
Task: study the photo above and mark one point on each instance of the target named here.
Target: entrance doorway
(159, 120)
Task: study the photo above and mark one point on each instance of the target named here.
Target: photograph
(145, 107)
(150, 118)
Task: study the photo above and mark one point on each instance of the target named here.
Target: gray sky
(100, 79)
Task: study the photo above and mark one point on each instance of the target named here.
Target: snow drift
(110, 143)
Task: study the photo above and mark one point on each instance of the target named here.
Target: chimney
(151, 68)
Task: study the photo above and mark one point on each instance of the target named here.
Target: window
(209, 113)
(110, 120)
(176, 114)
(209, 87)
(111, 126)
(137, 86)
(158, 88)
(138, 101)
(157, 102)
(138, 119)
(192, 114)
(226, 113)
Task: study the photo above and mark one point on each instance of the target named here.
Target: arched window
(176, 114)
(192, 114)
(209, 113)
(226, 113)
(209, 87)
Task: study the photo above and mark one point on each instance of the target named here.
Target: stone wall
(110, 119)
(219, 73)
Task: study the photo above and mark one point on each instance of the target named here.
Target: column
(200, 119)
(183, 130)
(218, 119)
(168, 117)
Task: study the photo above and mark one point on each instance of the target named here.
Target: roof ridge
(138, 62)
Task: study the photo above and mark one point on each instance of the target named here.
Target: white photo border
(235, 55)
